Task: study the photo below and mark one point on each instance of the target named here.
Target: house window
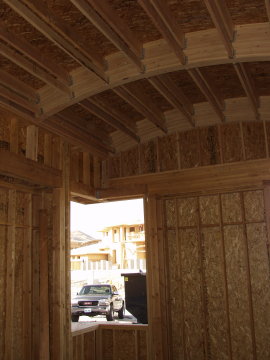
(132, 229)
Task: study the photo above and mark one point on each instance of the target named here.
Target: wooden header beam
(60, 33)
(210, 95)
(95, 108)
(106, 19)
(143, 104)
(174, 95)
(247, 85)
(221, 17)
(165, 22)
(28, 170)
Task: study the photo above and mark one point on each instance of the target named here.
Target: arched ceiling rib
(155, 55)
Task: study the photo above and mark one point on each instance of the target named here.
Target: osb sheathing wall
(212, 145)
(111, 342)
(217, 276)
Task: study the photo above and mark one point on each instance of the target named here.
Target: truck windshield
(95, 290)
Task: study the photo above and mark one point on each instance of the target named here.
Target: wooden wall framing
(212, 264)
(212, 145)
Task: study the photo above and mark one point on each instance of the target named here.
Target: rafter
(174, 95)
(19, 100)
(221, 17)
(165, 22)
(31, 68)
(143, 104)
(76, 120)
(201, 82)
(106, 19)
(16, 108)
(247, 85)
(106, 115)
(52, 27)
(77, 136)
(19, 87)
(267, 5)
(24, 47)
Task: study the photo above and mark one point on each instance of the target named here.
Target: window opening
(107, 247)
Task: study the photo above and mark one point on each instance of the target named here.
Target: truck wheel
(75, 318)
(109, 316)
(121, 312)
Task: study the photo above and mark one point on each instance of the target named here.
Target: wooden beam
(159, 61)
(82, 190)
(15, 108)
(107, 21)
(55, 29)
(94, 108)
(221, 17)
(19, 87)
(82, 124)
(31, 171)
(77, 136)
(137, 98)
(32, 142)
(247, 85)
(174, 95)
(31, 68)
(19, 100)
(18, 43)
(267, 5)
(210, 95)
(165, 22)
(44, 350)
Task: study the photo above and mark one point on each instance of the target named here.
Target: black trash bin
(136, 296)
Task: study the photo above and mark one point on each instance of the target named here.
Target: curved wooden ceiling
(110, 71)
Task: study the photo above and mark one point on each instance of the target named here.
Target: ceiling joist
(24, 47)
(221, 17)
(19, 87)
(209, 94)
(33, 69)
(267, 5)
(65, 37)
(143, 104)
(77, 136)
(174, 95)
(248, 87)
(19, 100)
(165, 22)
(107, 21)
(76, 120)
(106, 115)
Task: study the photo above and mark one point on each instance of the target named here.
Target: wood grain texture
(209, 210)
(148, 157)
(231, 208)
(187, 212)
(260, 287)
(130, 162)
(209, 146)
(167, 150)
(192, 289)
(254, 206)
(254, 140)
(214, 276)
(189, 149)
(238, 296)
(231, 142)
